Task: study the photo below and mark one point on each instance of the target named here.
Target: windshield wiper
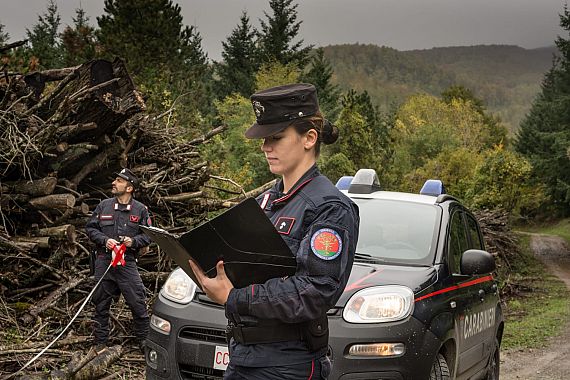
(366, 258)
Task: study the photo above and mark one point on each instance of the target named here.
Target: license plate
(221, 358)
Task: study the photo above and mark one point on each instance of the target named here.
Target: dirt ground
(553, 361)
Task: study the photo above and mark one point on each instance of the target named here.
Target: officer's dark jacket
(112, 220)
(320, 225)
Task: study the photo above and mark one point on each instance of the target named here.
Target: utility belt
(314, 333)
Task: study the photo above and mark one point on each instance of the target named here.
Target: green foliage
(79, 40)
(355, 139)
(278, 32)
(233, 156)
(320, 75)
(336, 166)
(236, 74)
(497, 132)
(454, 167)
(544, 137)
(502, 180)
(276, 74)
(43, 38)
(427, 126)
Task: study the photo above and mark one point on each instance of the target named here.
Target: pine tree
(544, 135)
(278, 33)
(164, 56)
(79, 40)
(237, 71)
(320, 74)
(149, 35)
(43, 37)
(4, 36)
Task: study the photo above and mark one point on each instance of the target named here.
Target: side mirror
(475, 261)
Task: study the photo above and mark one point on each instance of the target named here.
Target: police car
(421, 301)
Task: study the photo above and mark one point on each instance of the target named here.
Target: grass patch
(540, 307)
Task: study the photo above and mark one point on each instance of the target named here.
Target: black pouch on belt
(316, 333)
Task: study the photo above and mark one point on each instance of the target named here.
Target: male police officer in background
(116, 220)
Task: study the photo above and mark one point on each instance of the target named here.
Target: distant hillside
(506, 77)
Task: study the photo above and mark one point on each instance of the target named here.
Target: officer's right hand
(217, 288)
(111, 243)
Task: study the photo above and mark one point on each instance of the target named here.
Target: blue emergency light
(433, 187)
(365, 181)
(343, 182)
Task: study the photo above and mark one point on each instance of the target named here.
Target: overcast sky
(401, 24)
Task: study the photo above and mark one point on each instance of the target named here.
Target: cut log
(35, 188)
(54, 201)
(67, 132)
(99, 365)
(39, 241)
(63, 232)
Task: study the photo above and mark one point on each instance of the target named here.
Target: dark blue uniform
(320, 225)
(113, 220)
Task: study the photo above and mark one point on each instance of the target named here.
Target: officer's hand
(217, 288)
(111, 243)
(128, 241)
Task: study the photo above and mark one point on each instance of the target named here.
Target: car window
(397, 231)
(457, 243)
(476, 242)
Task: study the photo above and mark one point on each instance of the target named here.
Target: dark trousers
(318, 369)
(119, 280)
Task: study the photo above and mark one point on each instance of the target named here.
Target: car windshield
(396, 232)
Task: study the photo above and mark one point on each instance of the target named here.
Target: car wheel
(439, 369)
(493, 368)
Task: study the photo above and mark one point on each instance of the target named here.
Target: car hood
(364, 275)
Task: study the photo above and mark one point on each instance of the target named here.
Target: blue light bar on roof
(433, 187)
(343, 182)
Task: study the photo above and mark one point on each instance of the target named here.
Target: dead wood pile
(63, 135)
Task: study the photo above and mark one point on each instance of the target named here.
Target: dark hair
(326, 131)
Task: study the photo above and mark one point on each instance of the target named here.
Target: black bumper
(197, 328)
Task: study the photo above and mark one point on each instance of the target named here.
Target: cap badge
(258, 108)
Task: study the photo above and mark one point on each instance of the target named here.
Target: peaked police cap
(276, 107)
(129, 176)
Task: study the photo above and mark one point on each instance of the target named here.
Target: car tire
(493, 369)
(439, 369)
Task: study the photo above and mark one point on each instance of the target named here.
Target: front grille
(192, 372)
(204, 334)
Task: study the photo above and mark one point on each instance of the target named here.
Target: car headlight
(179, 287)
(379, 304)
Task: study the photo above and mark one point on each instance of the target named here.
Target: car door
(488, 292)
(467, 294)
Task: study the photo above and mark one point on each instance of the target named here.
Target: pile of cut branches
(64, 133)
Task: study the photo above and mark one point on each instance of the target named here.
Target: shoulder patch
(326, 244)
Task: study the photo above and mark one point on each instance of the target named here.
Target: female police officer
(279, 329)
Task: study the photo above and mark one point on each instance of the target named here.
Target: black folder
(242, 237)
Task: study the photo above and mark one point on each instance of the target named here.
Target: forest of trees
(439, 130)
